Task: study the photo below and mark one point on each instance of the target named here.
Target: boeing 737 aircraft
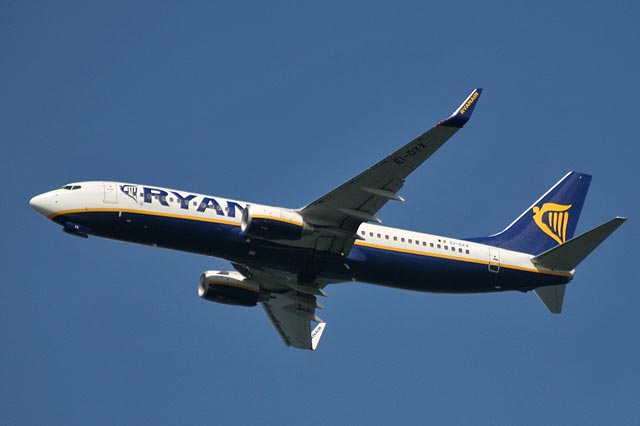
(284, 258)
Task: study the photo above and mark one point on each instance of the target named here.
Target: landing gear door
(110, 193)
(494, 259)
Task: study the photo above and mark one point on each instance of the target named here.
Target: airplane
(284, 258)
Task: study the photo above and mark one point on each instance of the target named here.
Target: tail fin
(550, 221)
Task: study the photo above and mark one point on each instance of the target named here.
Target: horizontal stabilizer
(567, 256)
(552, 297)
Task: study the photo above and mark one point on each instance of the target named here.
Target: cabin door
(110, 193)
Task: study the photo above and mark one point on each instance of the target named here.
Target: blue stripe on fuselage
(376, 265)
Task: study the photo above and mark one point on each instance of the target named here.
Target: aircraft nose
(41, 203)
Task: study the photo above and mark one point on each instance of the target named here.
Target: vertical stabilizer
(548, 222)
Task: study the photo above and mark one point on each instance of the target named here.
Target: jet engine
(272, 223)
(230, 288)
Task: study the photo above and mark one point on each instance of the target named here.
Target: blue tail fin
(549, 221)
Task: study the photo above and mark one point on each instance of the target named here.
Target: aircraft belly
(207, 238)
(364, 264)
(439, 275)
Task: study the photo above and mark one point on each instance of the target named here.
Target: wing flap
(291, 314)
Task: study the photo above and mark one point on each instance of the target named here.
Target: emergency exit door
(494, 259)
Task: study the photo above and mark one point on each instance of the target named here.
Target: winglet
(461, 115)
(316, 334)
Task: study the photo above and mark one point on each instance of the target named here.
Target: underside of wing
(338, 214)
(290, 305)
(292, 314)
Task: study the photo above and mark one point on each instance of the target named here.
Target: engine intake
(272, 223)
(230, 288)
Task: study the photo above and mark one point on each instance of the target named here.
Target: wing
(291, 305)
(337, 215)
(291, 314)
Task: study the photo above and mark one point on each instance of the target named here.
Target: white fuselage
(135, 213)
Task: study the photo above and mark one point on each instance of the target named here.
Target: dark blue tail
(549, 221)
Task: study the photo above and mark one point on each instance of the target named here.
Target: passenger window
(467, 251)
(439, 246)
(379, 236)
(402, 240)
(410, 241)
(459, 250)
(395, 238)
(371, 234)
(386, 237)
(431, 245)
(417, 242)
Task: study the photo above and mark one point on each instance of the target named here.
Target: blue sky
(277, 103)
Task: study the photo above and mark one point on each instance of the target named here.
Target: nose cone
(41, 203)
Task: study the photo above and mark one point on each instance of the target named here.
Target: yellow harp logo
(553, 219)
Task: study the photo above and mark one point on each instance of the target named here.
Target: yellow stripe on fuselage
(461, 259)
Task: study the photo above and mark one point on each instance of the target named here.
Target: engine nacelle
(230, 288)
(272, 223)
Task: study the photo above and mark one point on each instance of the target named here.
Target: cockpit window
(71, 187)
